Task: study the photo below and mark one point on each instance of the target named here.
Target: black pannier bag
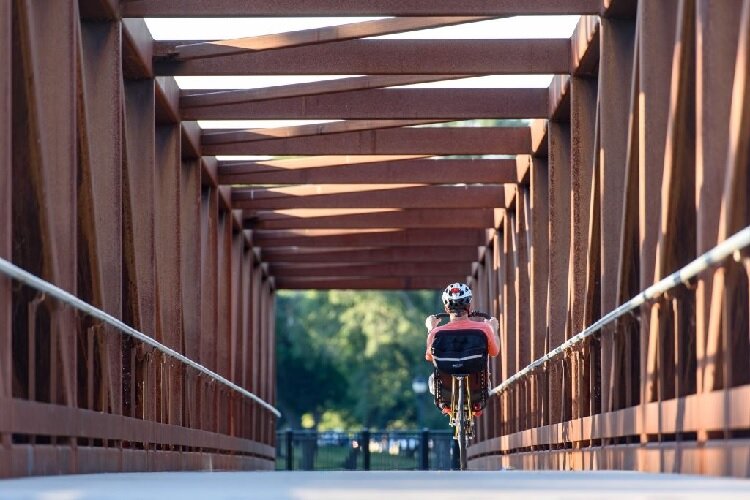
(460, 352)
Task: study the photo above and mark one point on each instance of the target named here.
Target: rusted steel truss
(104, 196)
(645, 168)
(636, 161)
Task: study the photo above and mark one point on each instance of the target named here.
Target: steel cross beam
(373, 104)
(357, 238)
(441, 218)
(427, 141)
(426, 171)
(385, 57)
(315, 8)
(196, 50)
(309, 255)
(365, 196)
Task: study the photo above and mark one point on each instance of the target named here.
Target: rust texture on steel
(634, 161)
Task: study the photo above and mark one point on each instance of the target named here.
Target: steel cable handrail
(720, 252)
(18, 274)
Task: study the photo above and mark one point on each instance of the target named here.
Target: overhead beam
(99, 10)
(383, 254)
(428, 141)
(407, 283)
(137, 50)
(337, 127)
(408, 197)
(417, 171)
(198, 98)
(383, 104)
(410, 237)
(185, 51)
(383, 270)
(387, 57)
(314, 8)
(319, 161)
(420, 218)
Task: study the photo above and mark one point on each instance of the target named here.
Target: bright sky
(519, 27)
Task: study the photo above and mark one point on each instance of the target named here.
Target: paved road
(372, 485)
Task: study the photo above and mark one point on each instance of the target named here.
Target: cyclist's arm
(428, 351)
(493, 339)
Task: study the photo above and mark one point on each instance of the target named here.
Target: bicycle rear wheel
(462, 424)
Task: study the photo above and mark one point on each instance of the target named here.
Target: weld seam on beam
(720, 252)
(18, 274)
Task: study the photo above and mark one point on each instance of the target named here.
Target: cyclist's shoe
(447, 410)
(476, 409)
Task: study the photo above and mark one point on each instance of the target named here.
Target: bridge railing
(668, 406)
(364, 450)
(92, 394)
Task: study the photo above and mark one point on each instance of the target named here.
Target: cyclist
(457, 301)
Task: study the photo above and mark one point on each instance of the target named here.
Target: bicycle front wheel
(462, 425)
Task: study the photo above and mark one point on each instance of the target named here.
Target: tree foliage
(353, 354)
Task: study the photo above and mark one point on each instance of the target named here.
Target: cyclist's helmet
(457, 296)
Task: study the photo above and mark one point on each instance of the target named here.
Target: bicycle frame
(462, 416)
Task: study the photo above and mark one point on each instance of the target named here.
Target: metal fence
(364, 450)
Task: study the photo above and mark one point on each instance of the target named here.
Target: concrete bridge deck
(372, 485)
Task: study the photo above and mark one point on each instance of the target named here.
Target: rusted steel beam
(167, 100)
(316, 8)
(35, 418)
(45, 174)
(208, 97)
(394, 269)
(99, 10)
(209, 172)
(407, 283)
(388, 57)
(100, 193)
(384, 104)
(168, 273)
(716, 51)
(188, 50)
(617, 39)
(6, 222)
(139, 299)
(559, 99)
(318, 161)
(191, 140)
(355, 196)
(136, 49)
(372, 255)
(428, 141)
(336, 127)
(585, 47)
(416, 171)
(582, 120)
(407, 237)
(724, 322)
(619, 9)
(426, 218)
(190, 278)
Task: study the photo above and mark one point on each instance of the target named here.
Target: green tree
(357, 352)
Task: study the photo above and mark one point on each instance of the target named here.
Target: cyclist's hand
(493, 322)
(431, 322)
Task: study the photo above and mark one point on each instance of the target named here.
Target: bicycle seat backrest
(460, 352)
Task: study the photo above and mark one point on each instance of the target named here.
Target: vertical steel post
(617, 40)
(559, 255)
(366, 449)
(424, 463)
(6, 234)
(289, 449)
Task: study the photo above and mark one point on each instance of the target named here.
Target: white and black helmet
(457, 296)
